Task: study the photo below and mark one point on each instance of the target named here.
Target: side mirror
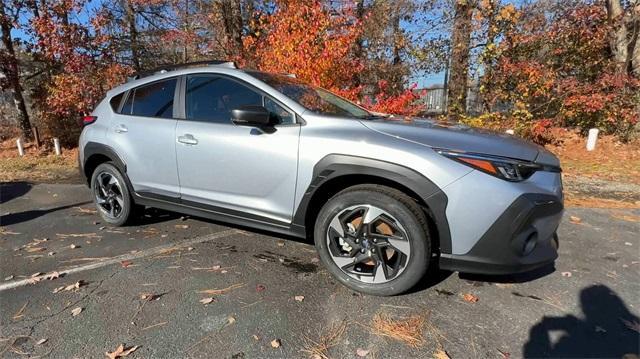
(251, 115)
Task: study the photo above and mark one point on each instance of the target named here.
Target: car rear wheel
(374, 239)
(111, 195)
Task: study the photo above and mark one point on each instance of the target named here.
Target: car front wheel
(373, 239)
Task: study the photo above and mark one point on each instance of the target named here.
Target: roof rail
(170, 67)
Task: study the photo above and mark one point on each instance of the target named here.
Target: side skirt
(217, 214)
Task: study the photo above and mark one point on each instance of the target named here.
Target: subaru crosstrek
(382, 197)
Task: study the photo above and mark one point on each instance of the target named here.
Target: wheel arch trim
(334, 168)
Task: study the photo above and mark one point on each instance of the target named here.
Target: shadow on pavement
(602, 333)
(15, 218)
(11, 190)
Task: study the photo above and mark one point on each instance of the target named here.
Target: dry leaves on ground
(221, 291)
(121, 352)
(575, 220)
(329, 339)
(74, 286)
(76, 311)
(299, 298)
(362, 352)
(41, 341)
(407, 330)
(276, 343)
(468, 297)
(207, 300)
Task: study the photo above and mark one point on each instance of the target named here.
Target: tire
(398, 215)
(113, 194)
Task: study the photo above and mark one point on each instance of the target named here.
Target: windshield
(312, 98)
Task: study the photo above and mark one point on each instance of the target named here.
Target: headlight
(505, 168)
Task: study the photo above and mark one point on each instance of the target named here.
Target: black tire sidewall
(127, 209)
(418, 239)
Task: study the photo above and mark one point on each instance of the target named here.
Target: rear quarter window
(152, 100)
(115, 101)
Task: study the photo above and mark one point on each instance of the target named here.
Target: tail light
(87, 120)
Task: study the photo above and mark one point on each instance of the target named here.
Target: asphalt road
(588, 307)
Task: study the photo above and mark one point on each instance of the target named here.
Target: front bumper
(523, 238)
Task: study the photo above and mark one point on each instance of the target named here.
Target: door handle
(121, 129)
(187, 139)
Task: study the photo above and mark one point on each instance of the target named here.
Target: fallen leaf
(566, 274)
(280, 243)
(121, 352)
(470, 298)
(575, 220)
(441, 354)
(260, 288)
(362, 352)
(255, 337)
(276, 343)
(207, 300)
(41, 341)
(231, 320)
(149, 296)
(52, 275)
(76, 311)
(125, 264)
(299, 298)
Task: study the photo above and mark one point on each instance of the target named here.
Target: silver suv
(382, 197)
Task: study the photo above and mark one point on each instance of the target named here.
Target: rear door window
(152, 100)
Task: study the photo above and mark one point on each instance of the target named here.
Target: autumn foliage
(302, 37)
(556, 72)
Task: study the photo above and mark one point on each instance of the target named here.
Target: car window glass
(115, 101)
(212, 98)
(279, 113)
(153, 100)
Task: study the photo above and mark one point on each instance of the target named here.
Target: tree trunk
(634, 45)
(133, 34)
(13, 75)
(618, 42)
(232, 17)
(460, 43)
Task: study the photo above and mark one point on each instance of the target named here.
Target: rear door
(143, 134)
(237, 170)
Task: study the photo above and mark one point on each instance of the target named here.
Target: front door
(237, 170)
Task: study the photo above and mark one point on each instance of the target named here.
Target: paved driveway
(142, 286)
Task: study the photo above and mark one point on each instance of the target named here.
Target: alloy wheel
(368, 244)
(108, 195)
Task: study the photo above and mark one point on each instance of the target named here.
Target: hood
(462, 138)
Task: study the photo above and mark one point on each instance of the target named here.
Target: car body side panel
(148, 150)
(240, 167)
(476, 200)
(323, 136)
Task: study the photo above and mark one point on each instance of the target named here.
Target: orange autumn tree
(318, 45)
